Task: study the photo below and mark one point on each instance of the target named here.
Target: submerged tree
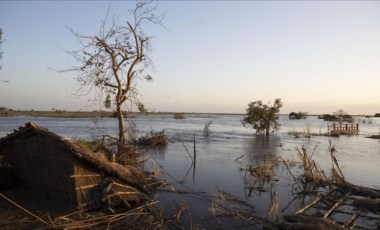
(342, 115)
(112, 61)
(263, 117)
(298, 116)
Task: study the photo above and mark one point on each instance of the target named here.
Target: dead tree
(1, 46)
(111, 61)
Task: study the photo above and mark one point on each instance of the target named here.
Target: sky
(211, 57)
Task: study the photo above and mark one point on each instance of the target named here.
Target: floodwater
(229, 148)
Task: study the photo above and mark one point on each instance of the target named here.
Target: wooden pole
(195, 150)
(195, 158)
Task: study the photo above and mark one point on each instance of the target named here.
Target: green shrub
(263, 117)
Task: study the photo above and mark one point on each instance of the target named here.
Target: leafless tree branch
(111, 61)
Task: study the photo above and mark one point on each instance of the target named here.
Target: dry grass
(312, 172)
(337, 176)
(307, 133)
(14, 219)
(225, 205)
(206, 129)
(259, 175)
(273, 207)
(262, 172)
(154, 138)
(146, 216)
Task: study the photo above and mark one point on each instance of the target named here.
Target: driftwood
(360, 190)
(341, 195)
(367, 204)
(336, 205)
(308, 222)
(312, 203)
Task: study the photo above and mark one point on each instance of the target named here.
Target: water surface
(216, 165)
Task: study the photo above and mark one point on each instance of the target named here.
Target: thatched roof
(127, 174)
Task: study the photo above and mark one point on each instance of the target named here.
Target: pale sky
(216, 56)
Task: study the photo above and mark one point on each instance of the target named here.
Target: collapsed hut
(63, 170)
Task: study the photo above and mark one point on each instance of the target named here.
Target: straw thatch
(63, 170)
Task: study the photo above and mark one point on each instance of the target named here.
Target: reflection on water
(261, 147)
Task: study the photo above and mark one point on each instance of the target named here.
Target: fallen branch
(336, 205)
(240, 157)
(295, 180)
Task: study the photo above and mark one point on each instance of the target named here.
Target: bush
(179, 115)
(340, 116)
(206, 129)
(328, 117)
(297, 116)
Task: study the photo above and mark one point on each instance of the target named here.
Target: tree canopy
(263, 117)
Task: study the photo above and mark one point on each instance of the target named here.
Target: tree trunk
(120, 116)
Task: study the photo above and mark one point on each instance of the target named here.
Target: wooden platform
(344, 129)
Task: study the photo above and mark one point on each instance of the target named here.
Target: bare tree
(1, 46)
(1, 54)
(112, 61)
